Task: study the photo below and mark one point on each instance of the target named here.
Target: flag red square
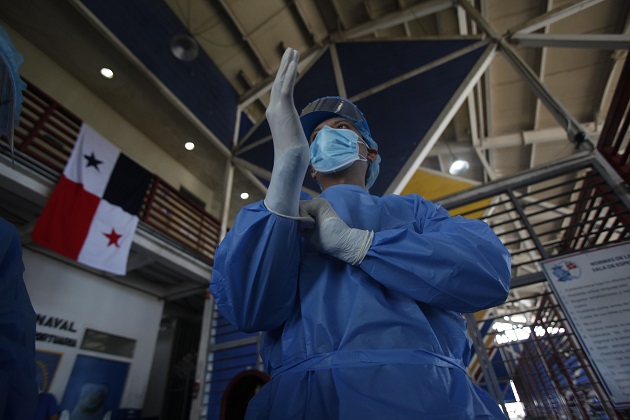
(66, 219)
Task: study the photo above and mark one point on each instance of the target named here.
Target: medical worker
(360, 297)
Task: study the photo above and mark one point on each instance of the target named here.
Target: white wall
(89, 301)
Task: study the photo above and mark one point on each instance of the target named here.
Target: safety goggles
(329, 107)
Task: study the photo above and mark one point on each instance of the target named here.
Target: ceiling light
(189, 145)
(244, 196)
(107, 73)
(458, 167)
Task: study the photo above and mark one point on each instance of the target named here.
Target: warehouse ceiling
(567, 53)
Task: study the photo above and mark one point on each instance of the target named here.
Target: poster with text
(593, 288)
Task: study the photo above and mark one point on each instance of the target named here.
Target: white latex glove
(290, 147)
(333, 236)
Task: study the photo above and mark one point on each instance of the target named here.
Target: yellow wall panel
(433, 185)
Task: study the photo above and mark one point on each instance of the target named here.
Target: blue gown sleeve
(453, 263)
(255, 273)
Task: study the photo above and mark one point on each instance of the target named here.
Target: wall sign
(593, 288)
(61, 325)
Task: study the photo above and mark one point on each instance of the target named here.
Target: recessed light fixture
(244, 196)
(184, 47)
(107, 73)
(189, 145)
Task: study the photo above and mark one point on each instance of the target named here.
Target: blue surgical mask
(335, 149)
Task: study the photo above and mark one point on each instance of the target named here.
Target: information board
(593, 288)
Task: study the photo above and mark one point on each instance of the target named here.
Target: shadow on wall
(239, 391)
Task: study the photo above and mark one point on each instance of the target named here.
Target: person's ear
(313, 172)
(372, 155)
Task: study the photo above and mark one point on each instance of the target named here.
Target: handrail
(173, 214)
(47, 133)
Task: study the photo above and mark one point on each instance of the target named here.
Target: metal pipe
(484, 362)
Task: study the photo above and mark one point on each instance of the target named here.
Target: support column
(201, 373)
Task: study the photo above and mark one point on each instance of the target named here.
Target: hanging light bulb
(458, 167)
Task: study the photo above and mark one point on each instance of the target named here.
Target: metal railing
(175, 215)
(46, 137)
(576, 204)
(614, 143)
(569, 206)
(47, 131)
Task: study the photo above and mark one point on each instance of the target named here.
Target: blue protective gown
(382, 340)
(18, 387)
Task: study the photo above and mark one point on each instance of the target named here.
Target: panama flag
(91, 216)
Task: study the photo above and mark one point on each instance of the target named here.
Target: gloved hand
(333, 236)
(290, 147)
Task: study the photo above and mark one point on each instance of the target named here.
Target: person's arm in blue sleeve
(254, 278)
(454, 263)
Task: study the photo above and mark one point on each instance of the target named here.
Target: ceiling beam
(255, 169)
(489, 170)
(341, 85)
(483, 96)
(254, 179)
(396, 18)
(473, 110)
(311, 19)
(228, 186)
(245, 37)
(265, 86)
(618, 58)
(597, 41)
(542, 63)
(558, 111)
(419, 70)
(528, 137)
(453, 148)
(553, 16)
(435, 131)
